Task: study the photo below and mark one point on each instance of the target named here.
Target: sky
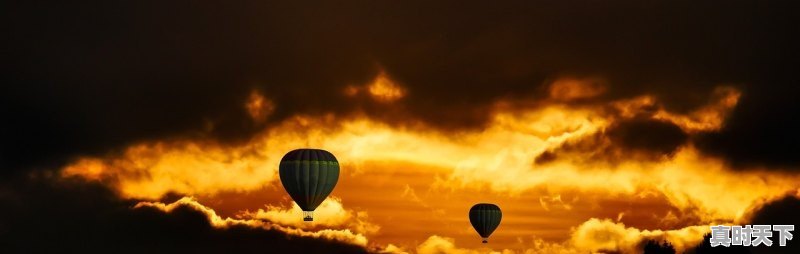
(596, 126)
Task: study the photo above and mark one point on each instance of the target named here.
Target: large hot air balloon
(485, 218)
(309, 175)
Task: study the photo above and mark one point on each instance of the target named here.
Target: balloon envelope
(309, 176)
(485, 218)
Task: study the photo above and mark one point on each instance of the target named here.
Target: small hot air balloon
(309, 175)
(485, 218)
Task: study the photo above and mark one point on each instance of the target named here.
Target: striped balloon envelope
(485, 218)
(309, 176)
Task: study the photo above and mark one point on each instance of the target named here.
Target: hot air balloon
(485, 218)
(309, 175)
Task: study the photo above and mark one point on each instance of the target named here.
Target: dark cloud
(90, 77)
(778, 212)
(762, 130)
(658, 137)
(86, 78)
(638, 138)
(75, 217)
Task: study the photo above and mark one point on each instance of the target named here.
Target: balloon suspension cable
(485, 240)
(308, 215)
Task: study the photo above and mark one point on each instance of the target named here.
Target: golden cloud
(500, 158)
(391, 248)
(259, 107)
(438, 244)
(151, 170)
(384, 89)
(331, 213)
(709, 117)
(381, 89)
(593, 236)
(596, 235)
(688, 180)
(344, 235)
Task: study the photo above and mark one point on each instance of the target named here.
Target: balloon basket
(308, 215)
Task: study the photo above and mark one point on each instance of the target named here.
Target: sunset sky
(595, 126)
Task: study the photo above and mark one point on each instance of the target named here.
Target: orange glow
(572, 88)
(381, 89)
(630, 108)
(604, 235)
(384, 89)
(330, 213)
(259, 107)
(91, 169)
(592, 236)
(351, 90)
(708, 118)
(397, 178)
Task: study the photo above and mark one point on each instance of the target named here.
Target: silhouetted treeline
(705, 247)
(656, 247)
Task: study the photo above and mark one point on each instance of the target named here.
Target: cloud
(758, 133)
(44, 215)
(391, 248)
(554, 202)
(592, 236)
(567, 89)
(151, 170)
(410, 194)
(259, 107)
(345, 235)
(152, 98)
(624, 156)
(331, 213)
(604, 235)
(384, 89)
(662, 138)
(775, 211)
(709, 117)
(109, 88)
(437, 244)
